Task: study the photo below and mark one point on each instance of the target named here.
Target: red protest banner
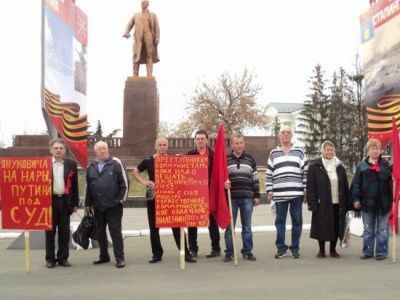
(25, 187)
(181, 191)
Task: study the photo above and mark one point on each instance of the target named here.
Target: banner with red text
(64, 68)
(380, 53)
(181, 191)
(26, 195)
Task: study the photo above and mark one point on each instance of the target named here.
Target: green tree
(99, 133)
(276, 125)
(99, 130)
(232, 100)
(315, 114)
(339, 111)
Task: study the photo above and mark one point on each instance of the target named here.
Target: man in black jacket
(65, 201)
(106, 190)
(201, 148)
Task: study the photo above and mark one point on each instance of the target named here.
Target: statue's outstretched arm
(129, 27)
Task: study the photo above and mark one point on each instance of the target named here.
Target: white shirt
(58, 177)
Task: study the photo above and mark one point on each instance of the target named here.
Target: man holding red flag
(245, 189)
(201, 148)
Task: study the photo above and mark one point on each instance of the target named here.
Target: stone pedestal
(141, 115)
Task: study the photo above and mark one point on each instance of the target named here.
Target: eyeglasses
(286, 132)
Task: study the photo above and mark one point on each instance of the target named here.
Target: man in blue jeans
(245, 186)
(285, 183)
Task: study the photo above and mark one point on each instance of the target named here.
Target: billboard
(380, 53)
(64, 66)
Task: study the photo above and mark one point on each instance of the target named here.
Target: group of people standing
(244, 185)
(290, 182)
(106, 190)
(323, 185)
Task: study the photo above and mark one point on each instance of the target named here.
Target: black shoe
(280, 254)
(64, 263)
(193, 254)
(154, 260)
(228, 258)
(50, 264)
(101, 261)
(190, 259)
(295, 253)
(380, 257)
(120, 264)
(249, 256)
(364, 256)
(334, 254)
(214, 253)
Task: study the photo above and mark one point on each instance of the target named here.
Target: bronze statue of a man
(146, 38)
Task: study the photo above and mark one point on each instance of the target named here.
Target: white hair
(100, 144)
(285, 127)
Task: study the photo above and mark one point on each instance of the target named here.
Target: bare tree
(232, 100)
(361, 126)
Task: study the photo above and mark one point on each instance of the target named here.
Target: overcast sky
(280, 41)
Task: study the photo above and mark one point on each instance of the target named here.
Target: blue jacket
(373, 189)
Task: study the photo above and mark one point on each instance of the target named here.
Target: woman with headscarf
(372, 193)
(327, 198)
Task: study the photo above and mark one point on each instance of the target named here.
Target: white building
(288, 115)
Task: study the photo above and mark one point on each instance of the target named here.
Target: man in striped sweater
(244, 184)
(285, 183)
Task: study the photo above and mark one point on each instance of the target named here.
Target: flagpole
(396, 179)
(232, 228)
(27, 253)
(182, 248)
(394, 243)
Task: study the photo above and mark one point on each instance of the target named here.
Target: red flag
(393, 220)
(218, 204)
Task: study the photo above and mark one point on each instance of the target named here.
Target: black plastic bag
(86, 229)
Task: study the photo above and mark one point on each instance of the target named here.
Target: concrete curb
(167, 231)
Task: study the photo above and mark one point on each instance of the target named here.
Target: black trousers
(333, 243)
(155, 240)
(213, 232)
(113, 218)
(61, 221)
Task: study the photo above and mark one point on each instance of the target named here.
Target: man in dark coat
(201, 148)
(327, 198)
(65, 201)
(106, 190)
